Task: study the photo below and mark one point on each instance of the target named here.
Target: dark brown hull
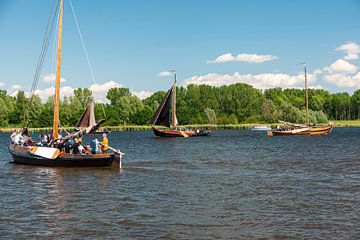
(176, 133)
(21, 155)
(312, 131)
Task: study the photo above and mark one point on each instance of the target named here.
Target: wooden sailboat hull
(311, 131)
(22, 155)
(176, 133)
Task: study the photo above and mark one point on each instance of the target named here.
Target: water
(234, 184)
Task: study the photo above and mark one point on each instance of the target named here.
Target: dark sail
(88, 118)
(162, 114)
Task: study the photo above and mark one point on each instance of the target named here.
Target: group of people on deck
(67, 145)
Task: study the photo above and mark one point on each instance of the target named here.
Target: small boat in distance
(293, 129)
(165, 115)
(261, 128)
(26, 151)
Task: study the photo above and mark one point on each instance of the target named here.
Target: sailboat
(31, 153)
(165, 115)
(293, 129)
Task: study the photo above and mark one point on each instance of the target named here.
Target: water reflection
(235, 184)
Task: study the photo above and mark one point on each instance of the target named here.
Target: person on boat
(81, 147)
(94, 144)
(25, 132)
(19, 139)
(105, 143)
(68, 145)
(59, 143)
(12, 136)
(75, 147)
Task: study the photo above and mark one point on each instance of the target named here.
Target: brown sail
(88, 118)
(162, 113)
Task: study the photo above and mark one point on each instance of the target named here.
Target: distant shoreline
(121, 128)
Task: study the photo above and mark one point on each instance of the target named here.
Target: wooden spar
(306, 99)
(174, 119)
(57, 79)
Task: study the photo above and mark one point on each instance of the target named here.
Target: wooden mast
(57, 79)
(174, 120)
(306, 98)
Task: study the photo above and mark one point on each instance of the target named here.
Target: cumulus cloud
(341, 66)
(50, 78)
(2, 84)
(99, 90)
(142, 94)
(343, 80)
(261, 81)
(351, 49)
(165, 73)
(48, 92)
(243, 57)
(342, 73)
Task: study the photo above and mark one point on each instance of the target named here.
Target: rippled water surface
(234, 184)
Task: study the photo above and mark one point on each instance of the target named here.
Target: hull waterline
(176, 133)
(312, 131)
(22, 155)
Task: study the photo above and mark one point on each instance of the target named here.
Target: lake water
(234, 184)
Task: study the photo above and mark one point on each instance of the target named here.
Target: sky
(135, 43)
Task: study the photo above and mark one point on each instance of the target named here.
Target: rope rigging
(45, 45)
(84, 48)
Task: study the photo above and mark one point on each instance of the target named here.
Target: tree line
(196, 104)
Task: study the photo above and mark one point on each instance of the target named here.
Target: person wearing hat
(105, 143)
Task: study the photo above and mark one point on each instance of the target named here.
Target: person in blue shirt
(94, 144)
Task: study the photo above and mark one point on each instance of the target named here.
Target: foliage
(196, 104)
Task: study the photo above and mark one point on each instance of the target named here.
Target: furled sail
(88, 117)
(162, 114)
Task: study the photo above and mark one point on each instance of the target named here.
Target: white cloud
(341, 66)
(261, 81)
(351, 49)
(99, 90)
(243, 57)
(15, 87)
(48, 92)
(50, 78)
(2, 84)
(343, 80)
(142, 94)
(165, 73)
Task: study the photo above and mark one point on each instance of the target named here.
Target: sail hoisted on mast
(162, 113)
(88, 117)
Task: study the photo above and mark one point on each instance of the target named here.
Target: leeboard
(183, 134)
(46, 152)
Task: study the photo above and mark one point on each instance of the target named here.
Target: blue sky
(130, 42)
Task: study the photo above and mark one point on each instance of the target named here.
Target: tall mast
(57, 79)
(306, 98)
(174, 120)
